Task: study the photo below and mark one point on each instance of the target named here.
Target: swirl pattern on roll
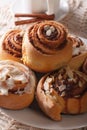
(62, 91)
(12, 43)
(48, 36)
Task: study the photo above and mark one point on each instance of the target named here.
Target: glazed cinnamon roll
(11, 45)
(79, 52)
(45, 46)
(17, 85)
(63, 91)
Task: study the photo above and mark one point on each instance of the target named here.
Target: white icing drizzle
(12, 73)
(3, 91)
(3, 73)
(79, 50)
(10, 83)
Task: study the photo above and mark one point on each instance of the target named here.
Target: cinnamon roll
(79, 52)
(17, 85)
(45, 46)
(62, 92)
(11, 45)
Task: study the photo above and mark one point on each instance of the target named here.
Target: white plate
(34, 117)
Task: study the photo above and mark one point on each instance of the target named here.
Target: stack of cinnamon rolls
(45, 48)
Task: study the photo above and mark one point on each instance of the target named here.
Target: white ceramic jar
(36, 6)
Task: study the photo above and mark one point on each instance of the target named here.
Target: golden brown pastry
(45, 46)
(17, 85)
(79, 52)
(84, 67)
(63, 91)
(11, 45)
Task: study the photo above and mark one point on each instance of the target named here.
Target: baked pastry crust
(80, 48)
(45, 45)
(63, 91)
(11, 45)
(84, 67)
(17, 85)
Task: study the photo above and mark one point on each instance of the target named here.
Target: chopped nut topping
(52, 28)
(77, 96)
(63, 94)
(80, 84)
(62, 87)
(46, 86)
(47, 83)
(48, 32)
(60, 77)
(46, 27)
(67, 83)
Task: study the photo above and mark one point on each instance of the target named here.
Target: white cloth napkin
(76, 19)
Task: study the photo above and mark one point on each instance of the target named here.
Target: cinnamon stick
(38, 15)
(21, 22)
